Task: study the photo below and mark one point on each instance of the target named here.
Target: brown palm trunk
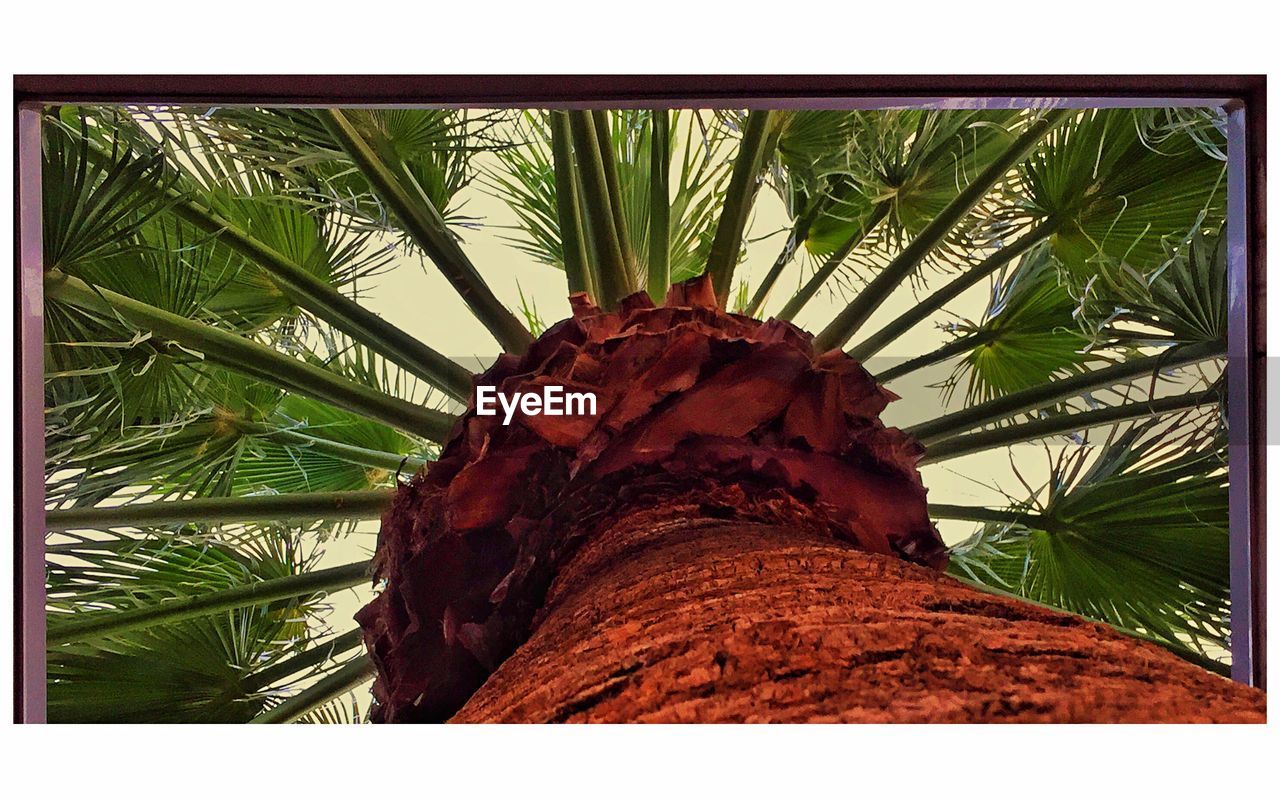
(703, 620)
(733, 536)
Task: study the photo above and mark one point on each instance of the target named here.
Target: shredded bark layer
(671, 617)
(726, 415)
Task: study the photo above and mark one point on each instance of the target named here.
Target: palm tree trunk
(739, 541)
(707, 620)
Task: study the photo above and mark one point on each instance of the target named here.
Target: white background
(611, 762)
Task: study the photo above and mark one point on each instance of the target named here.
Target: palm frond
(1134, 535)
(937, 230)
(394, 184)
(900, 168)
(294, 146)
(237, 436)
(1205, 127)
(1029, 335)
(1182, 302)
(248, 357)
(93, 205)
(1116, 196)
(339, 711)
(194, 670)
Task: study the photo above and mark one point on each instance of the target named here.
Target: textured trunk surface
(704, 620)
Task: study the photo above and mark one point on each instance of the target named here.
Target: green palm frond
(100, 576)
(1205, 127)
(1096, 169)
(340, 711)
(1117, 197)
(1029, 334)
(239, 436)
(313, 232)
(193, 670)
(268, 465)
(1182, 302)
(114, 373)
(1134, 536)
(699, 181)
(328, 245)
(294, 146)
(297, 707)
(235, 436)
(905, 167)
(106, 374)
(305, 248)
(152, 462)
(816, 172)
(527, 182)
(914, 162)
(813, 146)
(93, 205)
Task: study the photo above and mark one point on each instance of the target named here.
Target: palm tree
(739, 537)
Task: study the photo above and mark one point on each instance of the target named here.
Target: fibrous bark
(723, 450)
(690, 619)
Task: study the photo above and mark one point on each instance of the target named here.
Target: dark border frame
(1243, 97)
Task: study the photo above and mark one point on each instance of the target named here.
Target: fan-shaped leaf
(1117, 196)
(195, 670)
(1135, 537)
(1029, 334)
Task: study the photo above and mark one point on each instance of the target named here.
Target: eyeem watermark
(553, 401)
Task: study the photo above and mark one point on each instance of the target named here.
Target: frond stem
(315, 655)
(983, 514)
(611, 267)
(922, 309)
(328, 304)
(356, 505)
(832, 263)
(759, 140)
(342, 680)
(315, 295)
(95, 626)
(965, 444)
(353, 454)
(953, 348)
(1037, 397)
(572, 238)
(424, 224)
(604, 141)
(659, 266)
